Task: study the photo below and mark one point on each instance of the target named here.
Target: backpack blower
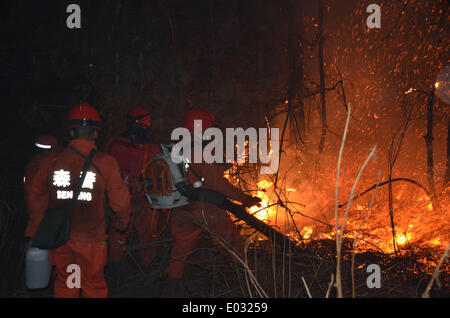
(167, 187)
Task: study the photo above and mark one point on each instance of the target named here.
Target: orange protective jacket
(198, 211)
(50, 185)
(214, 179)
(30, 171)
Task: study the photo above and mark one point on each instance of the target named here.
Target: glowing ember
(410, 91)
(264, 184)
(403, 239)
(306, 232)
(436, 241)
(261, 212)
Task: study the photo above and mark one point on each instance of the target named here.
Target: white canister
(37, 268)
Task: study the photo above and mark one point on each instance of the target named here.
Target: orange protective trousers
(91, 259)
(188, 222)
(186, 226)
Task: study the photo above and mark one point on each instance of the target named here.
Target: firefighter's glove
(119, 226)
(251, 201)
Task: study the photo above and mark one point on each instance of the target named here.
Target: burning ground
(297, 66)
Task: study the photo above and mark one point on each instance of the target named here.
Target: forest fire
(332, 116)
(420, 226)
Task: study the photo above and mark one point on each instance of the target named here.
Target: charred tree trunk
(277, 238)
(300, 120)
(429, 145)
(295, 71)
(447, 170)
(323, 108)
(220, 200)
(429, 141)
(393, 153)
(391, 212)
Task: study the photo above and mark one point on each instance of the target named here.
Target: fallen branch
(329, 286)
(323, 105)
(276, 236)
(428, 193)
(252, 277)
(306, 287)
(426, 293)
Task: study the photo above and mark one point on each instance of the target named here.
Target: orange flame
(306, 232)
(411, 228)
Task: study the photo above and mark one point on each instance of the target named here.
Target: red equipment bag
(131, 159)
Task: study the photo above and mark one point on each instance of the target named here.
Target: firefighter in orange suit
(53, 187)
(44, 144)
(133, 149)
(187, 221)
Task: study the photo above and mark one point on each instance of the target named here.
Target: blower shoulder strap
(86, 158)
(100, 173)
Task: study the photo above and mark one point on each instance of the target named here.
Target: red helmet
(46, 142)
(198, 114)
(84, 115)
(139, 114)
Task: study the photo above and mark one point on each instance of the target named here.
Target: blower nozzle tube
(220, 200)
